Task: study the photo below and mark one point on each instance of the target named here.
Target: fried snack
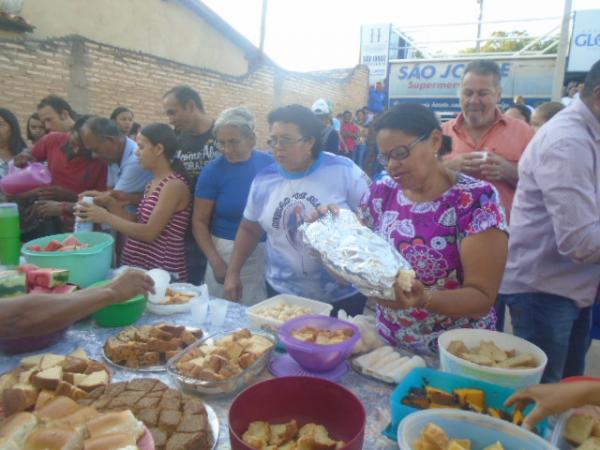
(283, 312)
(48, 374)
(226, 358)
(149, 345)
(434, 437)
(176, 420)
(177, 298)
(488, 354)
(323, 337)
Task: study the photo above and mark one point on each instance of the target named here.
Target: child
(155, 238)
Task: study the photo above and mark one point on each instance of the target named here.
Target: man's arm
(567, 179)
(39, 314)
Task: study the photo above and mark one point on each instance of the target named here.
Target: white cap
(320, 107)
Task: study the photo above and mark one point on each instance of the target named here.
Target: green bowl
(120, 314)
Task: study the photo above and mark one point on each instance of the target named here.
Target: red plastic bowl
(27, 344)
(577, 379)
(305, 399)
(317, 357)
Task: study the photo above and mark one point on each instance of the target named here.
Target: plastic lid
(9, 209)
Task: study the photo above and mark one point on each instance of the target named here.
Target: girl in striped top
(155, 237)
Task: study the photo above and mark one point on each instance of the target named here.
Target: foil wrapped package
(358, 255)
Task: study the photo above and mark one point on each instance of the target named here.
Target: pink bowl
(317, 357)
(305, 399)
(26, 344)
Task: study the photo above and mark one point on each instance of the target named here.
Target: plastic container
(161, 279)
(317, 357)
(225, 387)
(33, 176)
(10, 234)
(27, 344)
(481, 430)
(513, 378)
(305, 399)
(267, 323)
(495, 395)
(120, 314)
(83, 225)
(558, 439)
(217, 311)
(86, 266)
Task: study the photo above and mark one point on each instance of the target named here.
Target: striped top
(167, 252)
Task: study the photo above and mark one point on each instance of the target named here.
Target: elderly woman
(220, 199)
(281, 198)
(449, 226)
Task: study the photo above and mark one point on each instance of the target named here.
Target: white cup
(161, 279)
(199, 310)
(218, 312)
(483, 155)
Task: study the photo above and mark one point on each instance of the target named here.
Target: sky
(305, 35)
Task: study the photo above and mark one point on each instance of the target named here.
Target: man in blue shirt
(377, 98)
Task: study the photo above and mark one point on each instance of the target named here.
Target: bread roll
(54, 440)
(116, 422)
(57, 408)
(115, 441)
(8, 444)
(18, 427)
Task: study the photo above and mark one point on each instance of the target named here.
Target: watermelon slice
(71, 240)
(64, 289)
(40, 290)
(26, 268)
(47, 278)
(12, 283)
(35, 248)
(53, 246)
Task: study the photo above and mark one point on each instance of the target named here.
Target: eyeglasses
(232, 143)
(283, 141)
(399, 153)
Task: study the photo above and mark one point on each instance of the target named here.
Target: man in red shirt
(350, 134)
(486, 144)
(73, 171)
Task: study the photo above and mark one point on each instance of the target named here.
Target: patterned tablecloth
(374, 395)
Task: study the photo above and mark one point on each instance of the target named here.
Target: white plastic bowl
(480, 429)
(268, 323)
(512, 378)
(165, 309)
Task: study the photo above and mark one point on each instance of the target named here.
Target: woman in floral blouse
(449, 226)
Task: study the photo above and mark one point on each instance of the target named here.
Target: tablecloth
(86, 334)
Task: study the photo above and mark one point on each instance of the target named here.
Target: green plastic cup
(10, 234)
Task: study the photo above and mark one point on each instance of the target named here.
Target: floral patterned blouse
(428, 236)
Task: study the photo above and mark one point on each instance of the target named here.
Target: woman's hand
(233, 287)
(219, 270)
(321, 211)
(416, 298)
(92, 213)
(552, 399)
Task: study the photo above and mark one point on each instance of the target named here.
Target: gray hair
(239, 117)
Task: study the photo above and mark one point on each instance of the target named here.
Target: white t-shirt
(279, 201)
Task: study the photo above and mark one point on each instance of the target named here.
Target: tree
(512, 41)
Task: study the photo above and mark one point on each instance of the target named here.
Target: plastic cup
(483, 154)
(199, 311)
(218, 312)
(10, 234)
(161, 279)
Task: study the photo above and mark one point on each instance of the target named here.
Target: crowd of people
(493, 209)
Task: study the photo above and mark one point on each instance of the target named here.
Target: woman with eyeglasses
(449, 226)
(282, 197)
(220, 198)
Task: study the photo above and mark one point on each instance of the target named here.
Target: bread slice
(31, 362)
(579, 428)
(8, 380)
(75, 365)
(68, 390)
(492, 351)
(51, 360)
(591, 443)
(18, 426)
(94, 380)
(74, 378)
(521, 361)
(79, 353)
(25, 376)
(43, 398)
(20, 397)
(114, 441)
(48, 379)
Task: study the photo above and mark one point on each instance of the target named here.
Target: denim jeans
(196, 261)
(353, 305)
(557, 326)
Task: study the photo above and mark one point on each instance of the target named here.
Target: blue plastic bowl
(481, 430)
(86, 266)
(495, 395)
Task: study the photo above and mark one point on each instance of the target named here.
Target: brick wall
(96, 78)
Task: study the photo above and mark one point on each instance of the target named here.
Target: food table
(373, 394)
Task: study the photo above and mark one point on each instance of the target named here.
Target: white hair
(239, 117)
